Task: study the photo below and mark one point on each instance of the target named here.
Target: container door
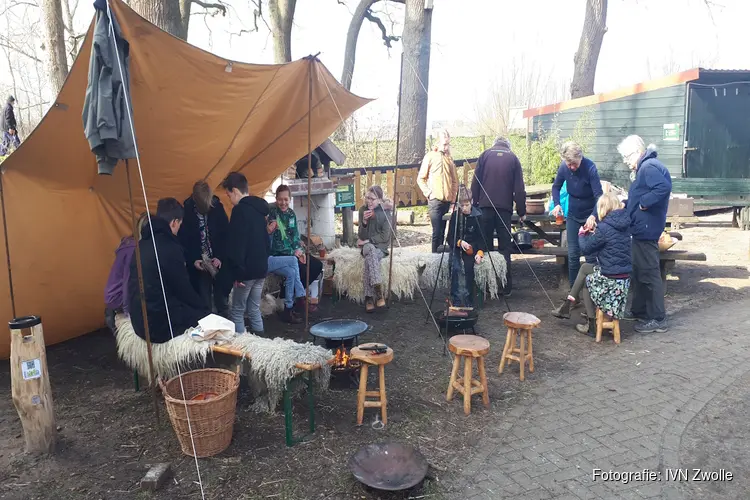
(717, 144)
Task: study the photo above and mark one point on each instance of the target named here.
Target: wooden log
(30, 387)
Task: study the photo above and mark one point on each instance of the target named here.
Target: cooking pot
(522, 239)
(534, 207)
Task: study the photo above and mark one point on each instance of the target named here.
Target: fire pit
(388, 466)
(340, 335)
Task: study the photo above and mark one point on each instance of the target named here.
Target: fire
(341, 359)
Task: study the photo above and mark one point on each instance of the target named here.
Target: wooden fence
(407, 189)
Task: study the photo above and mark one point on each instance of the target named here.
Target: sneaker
(629, 316)
(652, 326)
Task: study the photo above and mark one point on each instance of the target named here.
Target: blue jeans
(462, 298)
(288, 268)
(574, 250)
(247, 298)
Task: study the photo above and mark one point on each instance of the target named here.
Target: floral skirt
(608, 294)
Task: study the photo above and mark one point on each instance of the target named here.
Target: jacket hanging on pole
(105, 113)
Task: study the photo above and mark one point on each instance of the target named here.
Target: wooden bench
(667, 261)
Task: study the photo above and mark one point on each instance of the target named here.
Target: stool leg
(599, 324)
(616, 330)
(531, 351)
(522, 354)
(361, 394)
(454, 374)
(483, 381)
(508, 343)
(467, 384)
(383, 399)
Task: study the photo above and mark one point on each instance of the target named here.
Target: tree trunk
(282, 14)
(54, 30)
(592, 35)
(163, 13)
(414, 82)
(350, 52)
(185, 7)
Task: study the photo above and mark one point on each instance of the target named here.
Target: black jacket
(248, 244)
(185, 305)
(469, 229)
(9, 118)
(611, 243)
(499, 172)
(218, 227)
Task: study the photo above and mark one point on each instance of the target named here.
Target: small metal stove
(340, 335)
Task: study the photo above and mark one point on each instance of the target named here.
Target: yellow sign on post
(30, 385)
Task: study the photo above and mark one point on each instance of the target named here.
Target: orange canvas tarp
(197, 116)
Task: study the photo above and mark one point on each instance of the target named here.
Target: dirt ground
(108, 438)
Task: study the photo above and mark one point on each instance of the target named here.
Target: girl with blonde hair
(603, 285)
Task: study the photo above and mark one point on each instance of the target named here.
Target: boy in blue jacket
(647, 203)
(468, 246)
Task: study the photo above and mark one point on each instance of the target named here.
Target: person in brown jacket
(438, 181)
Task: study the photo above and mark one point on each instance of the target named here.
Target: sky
(474, 41)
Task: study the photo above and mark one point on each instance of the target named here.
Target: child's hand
(465, 246)
(478, 258)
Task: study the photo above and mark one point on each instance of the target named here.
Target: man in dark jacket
(468, 246)
(498, 182)
(10, 140)
(185, 307)
(584, 189)
(204, 231)
(248, 248)
(647, 203)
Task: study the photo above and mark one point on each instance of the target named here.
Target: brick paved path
(623, 410)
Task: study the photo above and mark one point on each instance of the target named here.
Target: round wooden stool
(368, 358)
(468, 347)
(604, 322)
(519, 325)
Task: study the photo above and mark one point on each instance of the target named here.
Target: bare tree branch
(16, 4)
(216, 6)
(4, 42)
(387, 39)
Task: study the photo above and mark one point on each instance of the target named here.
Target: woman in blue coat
(603, 285)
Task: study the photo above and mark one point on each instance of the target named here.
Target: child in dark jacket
(467, 247)
(604, 285)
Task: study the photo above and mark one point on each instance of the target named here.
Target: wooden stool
(519, 325)
(468, 347)
(368, 358)
(610, 324)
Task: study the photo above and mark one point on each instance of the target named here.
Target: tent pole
(394, 215)
(309, 189)
(7, 248)
(152, 375)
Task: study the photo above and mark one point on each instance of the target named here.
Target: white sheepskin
(350, 268)
(271, 367)
(410, 270)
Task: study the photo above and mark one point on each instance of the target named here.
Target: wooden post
(347, 219)
(30, 386)
(309, 189)
(394, 215)
(484, 144)
(139, 268)
(357, 188)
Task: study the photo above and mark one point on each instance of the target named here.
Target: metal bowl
(388, 466)
(338, 329)
(458, 323)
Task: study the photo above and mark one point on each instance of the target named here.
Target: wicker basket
(211, 420)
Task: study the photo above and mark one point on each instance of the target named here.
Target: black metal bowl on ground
(458, 323)
(336, 332)
(388, 466)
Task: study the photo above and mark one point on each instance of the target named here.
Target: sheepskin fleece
(271, 367)
(350, 268)
(411, 269)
